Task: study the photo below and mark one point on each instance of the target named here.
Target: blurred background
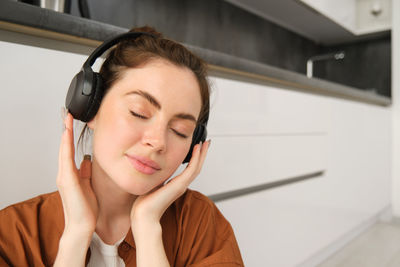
(305, 114)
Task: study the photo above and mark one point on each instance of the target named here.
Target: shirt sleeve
(13, 252)
(209, 237)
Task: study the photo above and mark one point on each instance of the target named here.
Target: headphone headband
(111, 42)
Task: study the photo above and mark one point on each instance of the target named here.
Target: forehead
(175, 87)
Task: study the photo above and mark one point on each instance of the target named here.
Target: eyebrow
(157, 104)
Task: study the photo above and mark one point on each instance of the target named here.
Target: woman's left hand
(148, 209)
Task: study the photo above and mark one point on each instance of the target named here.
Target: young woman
(117, 210)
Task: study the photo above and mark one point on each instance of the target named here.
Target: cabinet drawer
(238, 162)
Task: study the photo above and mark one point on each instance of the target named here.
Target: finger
(191, 168)
(63, 114)
(66, 160)
(195, 156)
(203, 154)
(199, 162)
(85, 171)
(68, 149)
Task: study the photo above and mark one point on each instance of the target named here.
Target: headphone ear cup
(199, 135)
(84, 95)
(95, 97)
(79, 93)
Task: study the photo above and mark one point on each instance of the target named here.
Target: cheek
(176, 156)
(113, 137)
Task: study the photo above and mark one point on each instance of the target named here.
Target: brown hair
(133, 53)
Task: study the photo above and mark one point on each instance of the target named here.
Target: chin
(137, 191)
(136, 185)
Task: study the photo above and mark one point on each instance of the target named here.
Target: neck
(114, 206)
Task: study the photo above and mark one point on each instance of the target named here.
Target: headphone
(86, 90)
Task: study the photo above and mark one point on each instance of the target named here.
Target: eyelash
(143, 117)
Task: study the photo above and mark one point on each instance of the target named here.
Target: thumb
(85, 170)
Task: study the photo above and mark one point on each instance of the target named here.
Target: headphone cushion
(95, 98)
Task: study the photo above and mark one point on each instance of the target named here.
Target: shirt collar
(129, 238)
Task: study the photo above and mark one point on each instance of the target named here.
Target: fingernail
(87, 157)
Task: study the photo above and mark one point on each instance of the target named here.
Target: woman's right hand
(78, 199)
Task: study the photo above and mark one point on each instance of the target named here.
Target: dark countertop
(29, 19)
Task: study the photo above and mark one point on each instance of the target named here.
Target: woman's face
(145, 116)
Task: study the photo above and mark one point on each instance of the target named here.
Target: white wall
(260, 134)
(34, 82)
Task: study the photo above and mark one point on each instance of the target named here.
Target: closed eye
(178, 133)
(138, 115)
(143, 117)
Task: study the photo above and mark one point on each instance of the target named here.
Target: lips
(146, 161)
(143, 164)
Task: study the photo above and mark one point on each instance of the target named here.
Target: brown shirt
(195, 233)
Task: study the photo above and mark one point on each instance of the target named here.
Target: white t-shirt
(103, 255)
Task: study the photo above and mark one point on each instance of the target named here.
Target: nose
(155, 137)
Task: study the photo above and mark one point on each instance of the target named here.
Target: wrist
(149, 244)
(143, 230)
(72, 249)
(77, 233)
(75, 242)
